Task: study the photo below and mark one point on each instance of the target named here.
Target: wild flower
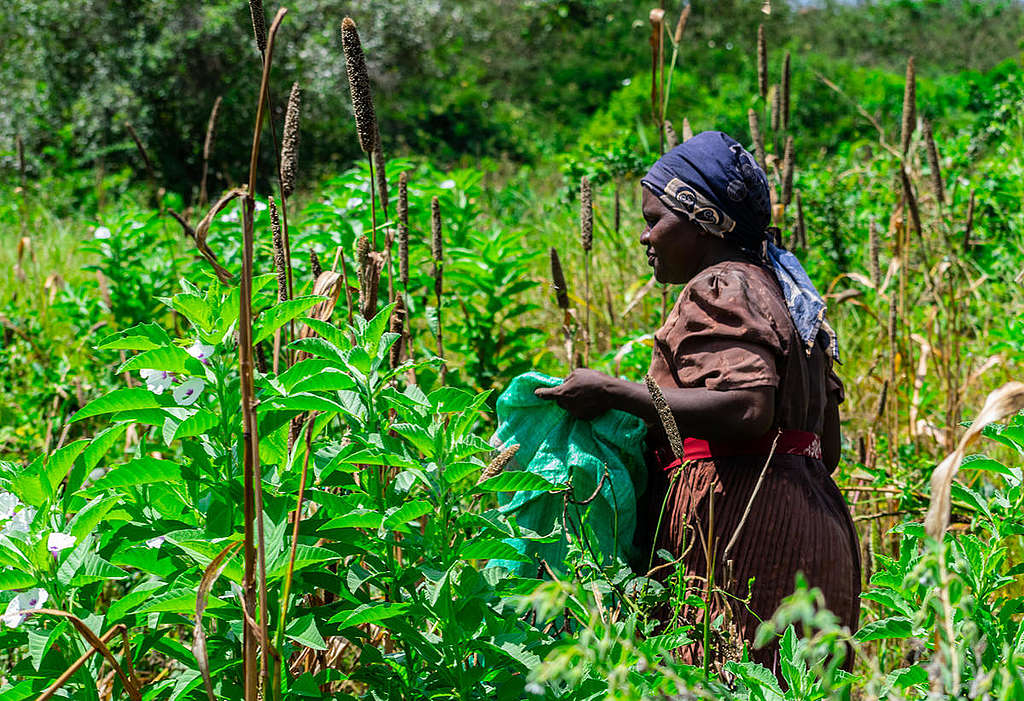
(101, 232)
(156, 380)
(8, 503)
(22, 521)
(188, 391)
(201, 352)
(97, 473)
(155, 542)
(26, 601)
(447, 184)
(58, 542)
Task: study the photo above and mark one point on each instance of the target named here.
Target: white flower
(101, 232)
(32, 599)
(447, 185)
(353, 202)
(22, 521)
(201, 352)
(155, 542)
(8, 503)
(231, 216)
(96, 473)
(156, 380)
(188, 391)
(259, 206)
(58, 542)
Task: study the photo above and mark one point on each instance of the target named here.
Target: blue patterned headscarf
(715, 182)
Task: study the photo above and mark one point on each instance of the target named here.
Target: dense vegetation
(132, 478)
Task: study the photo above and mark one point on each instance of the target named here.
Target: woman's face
(675, 245)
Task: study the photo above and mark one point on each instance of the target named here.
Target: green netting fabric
(561, 448)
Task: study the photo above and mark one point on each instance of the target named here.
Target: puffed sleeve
(723, 332)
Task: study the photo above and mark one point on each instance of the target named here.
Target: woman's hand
(586, 394)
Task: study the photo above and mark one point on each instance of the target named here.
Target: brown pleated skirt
(797, 522)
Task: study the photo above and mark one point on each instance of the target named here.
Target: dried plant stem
(677, 40)
(281, 270)
(562, 298)
(785, 92)
(873, 254)
(657, 19)
(587, 243)
(437, 252)
(252, 476)
(801, 228)
(211, 129)
(762, 63)
(757, 137)
(933, 163)
(687, 130)
(787, 173)
(909, 121)
(969, 225)
(671, 140)
(403, 232)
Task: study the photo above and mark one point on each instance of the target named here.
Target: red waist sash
(790, 442)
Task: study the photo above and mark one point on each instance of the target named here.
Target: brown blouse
(731, 329)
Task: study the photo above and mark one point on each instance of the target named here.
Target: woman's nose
(645, 235)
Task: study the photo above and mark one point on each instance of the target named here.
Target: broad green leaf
(490, 549)
(180, 600)
(320, 348)
(517, 482)
(144, 470)
(124, 399)
(407, 512)
(141, 337)
(280, 314)
(757, 676)
(83, 566)
(195, 425)
(329, 331)
(303, 370)
(420, 436)
(892, 627)
(906, 676)
(40, 642)
(89, 516)
(450, 399)
(300, 402)
(101, 443)
(983, 462)
(368, 613)
(127, 602)
(59, 464)
(15, 579)
(327, 381)
(305, 632)
(359, 518)
(169, 358)
(305, 555)
(194, 308)
(29, 486)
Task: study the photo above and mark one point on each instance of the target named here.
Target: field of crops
(246, 432)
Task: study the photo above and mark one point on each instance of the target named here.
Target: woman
(744, 362)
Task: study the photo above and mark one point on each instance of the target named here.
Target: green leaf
(194, 308)
(89, 516)
(195, 425)
(15, 579)
(125, 399)
(40, 642)
(83, 566)
(906, 676)
(407, 512)
(145, 470)
(141, 337)
(300, 402)
(490, 549)
(126, 602)
(100, 444)
(450, 399)
(330, 380)
(280, 314)
(304, 632)
(368, 613)
(983, 462)
(892, 627)
(169, 358)
(59, 464)
(305, 555)
(320, 348)
(358, 518)
(517, 482)
(181, 601)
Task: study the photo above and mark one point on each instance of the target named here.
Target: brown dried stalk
(681, 24)
(933, 163)
(873, 254)
(757, 137)
(211, 130)
(381, 176)
(911, 200)
(787, 173)
(252, 475)
(314, 264)
(762, 63)
(671, 140)
(437, 253)
(657, 19)
(359, 85)
(281, 271)
(558, 280)
(206, 582)
(668, 419)
(290, 142)
(801, 228)
(397, 325)
(150, 172)
(775, 97)
(403, 230)
(909, 107)
(785, 91)
(969, 227)
(587, 241)
(259, 24)
(687, 131)
(363, 265)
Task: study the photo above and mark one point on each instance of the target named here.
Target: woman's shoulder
(738, 283)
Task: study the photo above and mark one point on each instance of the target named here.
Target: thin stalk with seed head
(437, 253)
(211, 128)
(969, 226)
(762, 63)
(677, 39)
(873, 252)
(314, 264)
(785, 92)
(252, 475)
(757, 137)
(562, 297)
(787, 173)
(801, 228)
(403, 231)
(671, 140)
(587, 243)
(909, 121)
(933, 163)
(397, 326)
(280, 270)
(657, 19)
(687, 130)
